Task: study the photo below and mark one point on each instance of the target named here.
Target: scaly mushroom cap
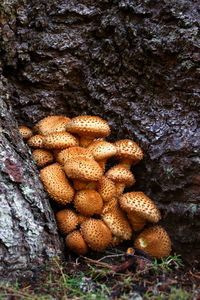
(102, 150)
(83, 168)
(88, 202)
(110, 205)
(106, 188)
(51, 124)
(127, 149)
(155, 241)
(56, 184)
(42, 157)
(140, 204)
(76, 243)
(116, 220)
(96, 234)
(36, 141)
(120, 174)
(92, 126)
(59, 140)
(67, 220)
(72, 152)
(81, 219)
(25, 132)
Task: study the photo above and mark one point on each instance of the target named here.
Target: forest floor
(113, 274)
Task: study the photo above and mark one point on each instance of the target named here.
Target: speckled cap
(36, 141)
(51, 124)
(96, 234)
(83, 168)
(25, 132)
(106, 188)
(59, 140)
(155, 241)
(117, 221)
(88, 126)
(139, 203)
(75, 242)
(88, 202)
(120, 174)
(67, 220)
(57, 184)
(72, 152)
(42, 157)
(128, 149)
(102, 150)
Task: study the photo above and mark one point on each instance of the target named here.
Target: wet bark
(28, 235)
(134, 63)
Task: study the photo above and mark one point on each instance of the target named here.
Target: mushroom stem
(102, 164)
(136, 221)
(126, 163)
(84, 185)
(119, 188)
(85, 141)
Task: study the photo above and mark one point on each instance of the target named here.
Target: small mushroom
(57, 184)
(142, 206)
(96, 234)
(67, 220)
(106, 188)
(101, 151)
(88, 202)
(36, 141)
(88, 128)
(76, 243)
(128, 152)
(51, 124)
(25, 132)
(72, 152)
(83, 168)
(59, 140)
(121, 176)
(42, 157)
(117, 222)
(155, 241)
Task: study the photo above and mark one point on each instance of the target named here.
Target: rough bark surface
(134, 63)
(28, 235)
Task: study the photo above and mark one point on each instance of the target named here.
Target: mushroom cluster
(94, 210)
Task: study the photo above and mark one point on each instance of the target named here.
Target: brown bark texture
(134, 63)
(28, 235)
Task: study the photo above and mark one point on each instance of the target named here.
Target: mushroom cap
(84, 185)
(88, 202)
(76, 243)
(106, 188)
(128, 149)
(36, 141)
(42, 157)
(121, 174)
(83, 168)
(110, 205)
(142, 205)
(81, 219)
(67, 220)
(102, 150)
(155, 241)
(25, 132)
(72, 152)
(51, 124)
(57, 184)
(92, 126)
(116, 220)
(59, 140)
(96, 234)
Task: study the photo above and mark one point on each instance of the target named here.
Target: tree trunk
(134, 63)
(28, 236)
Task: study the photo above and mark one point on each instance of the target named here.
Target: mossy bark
(134, 63)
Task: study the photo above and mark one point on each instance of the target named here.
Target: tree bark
(134, 63)
(28, 235)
